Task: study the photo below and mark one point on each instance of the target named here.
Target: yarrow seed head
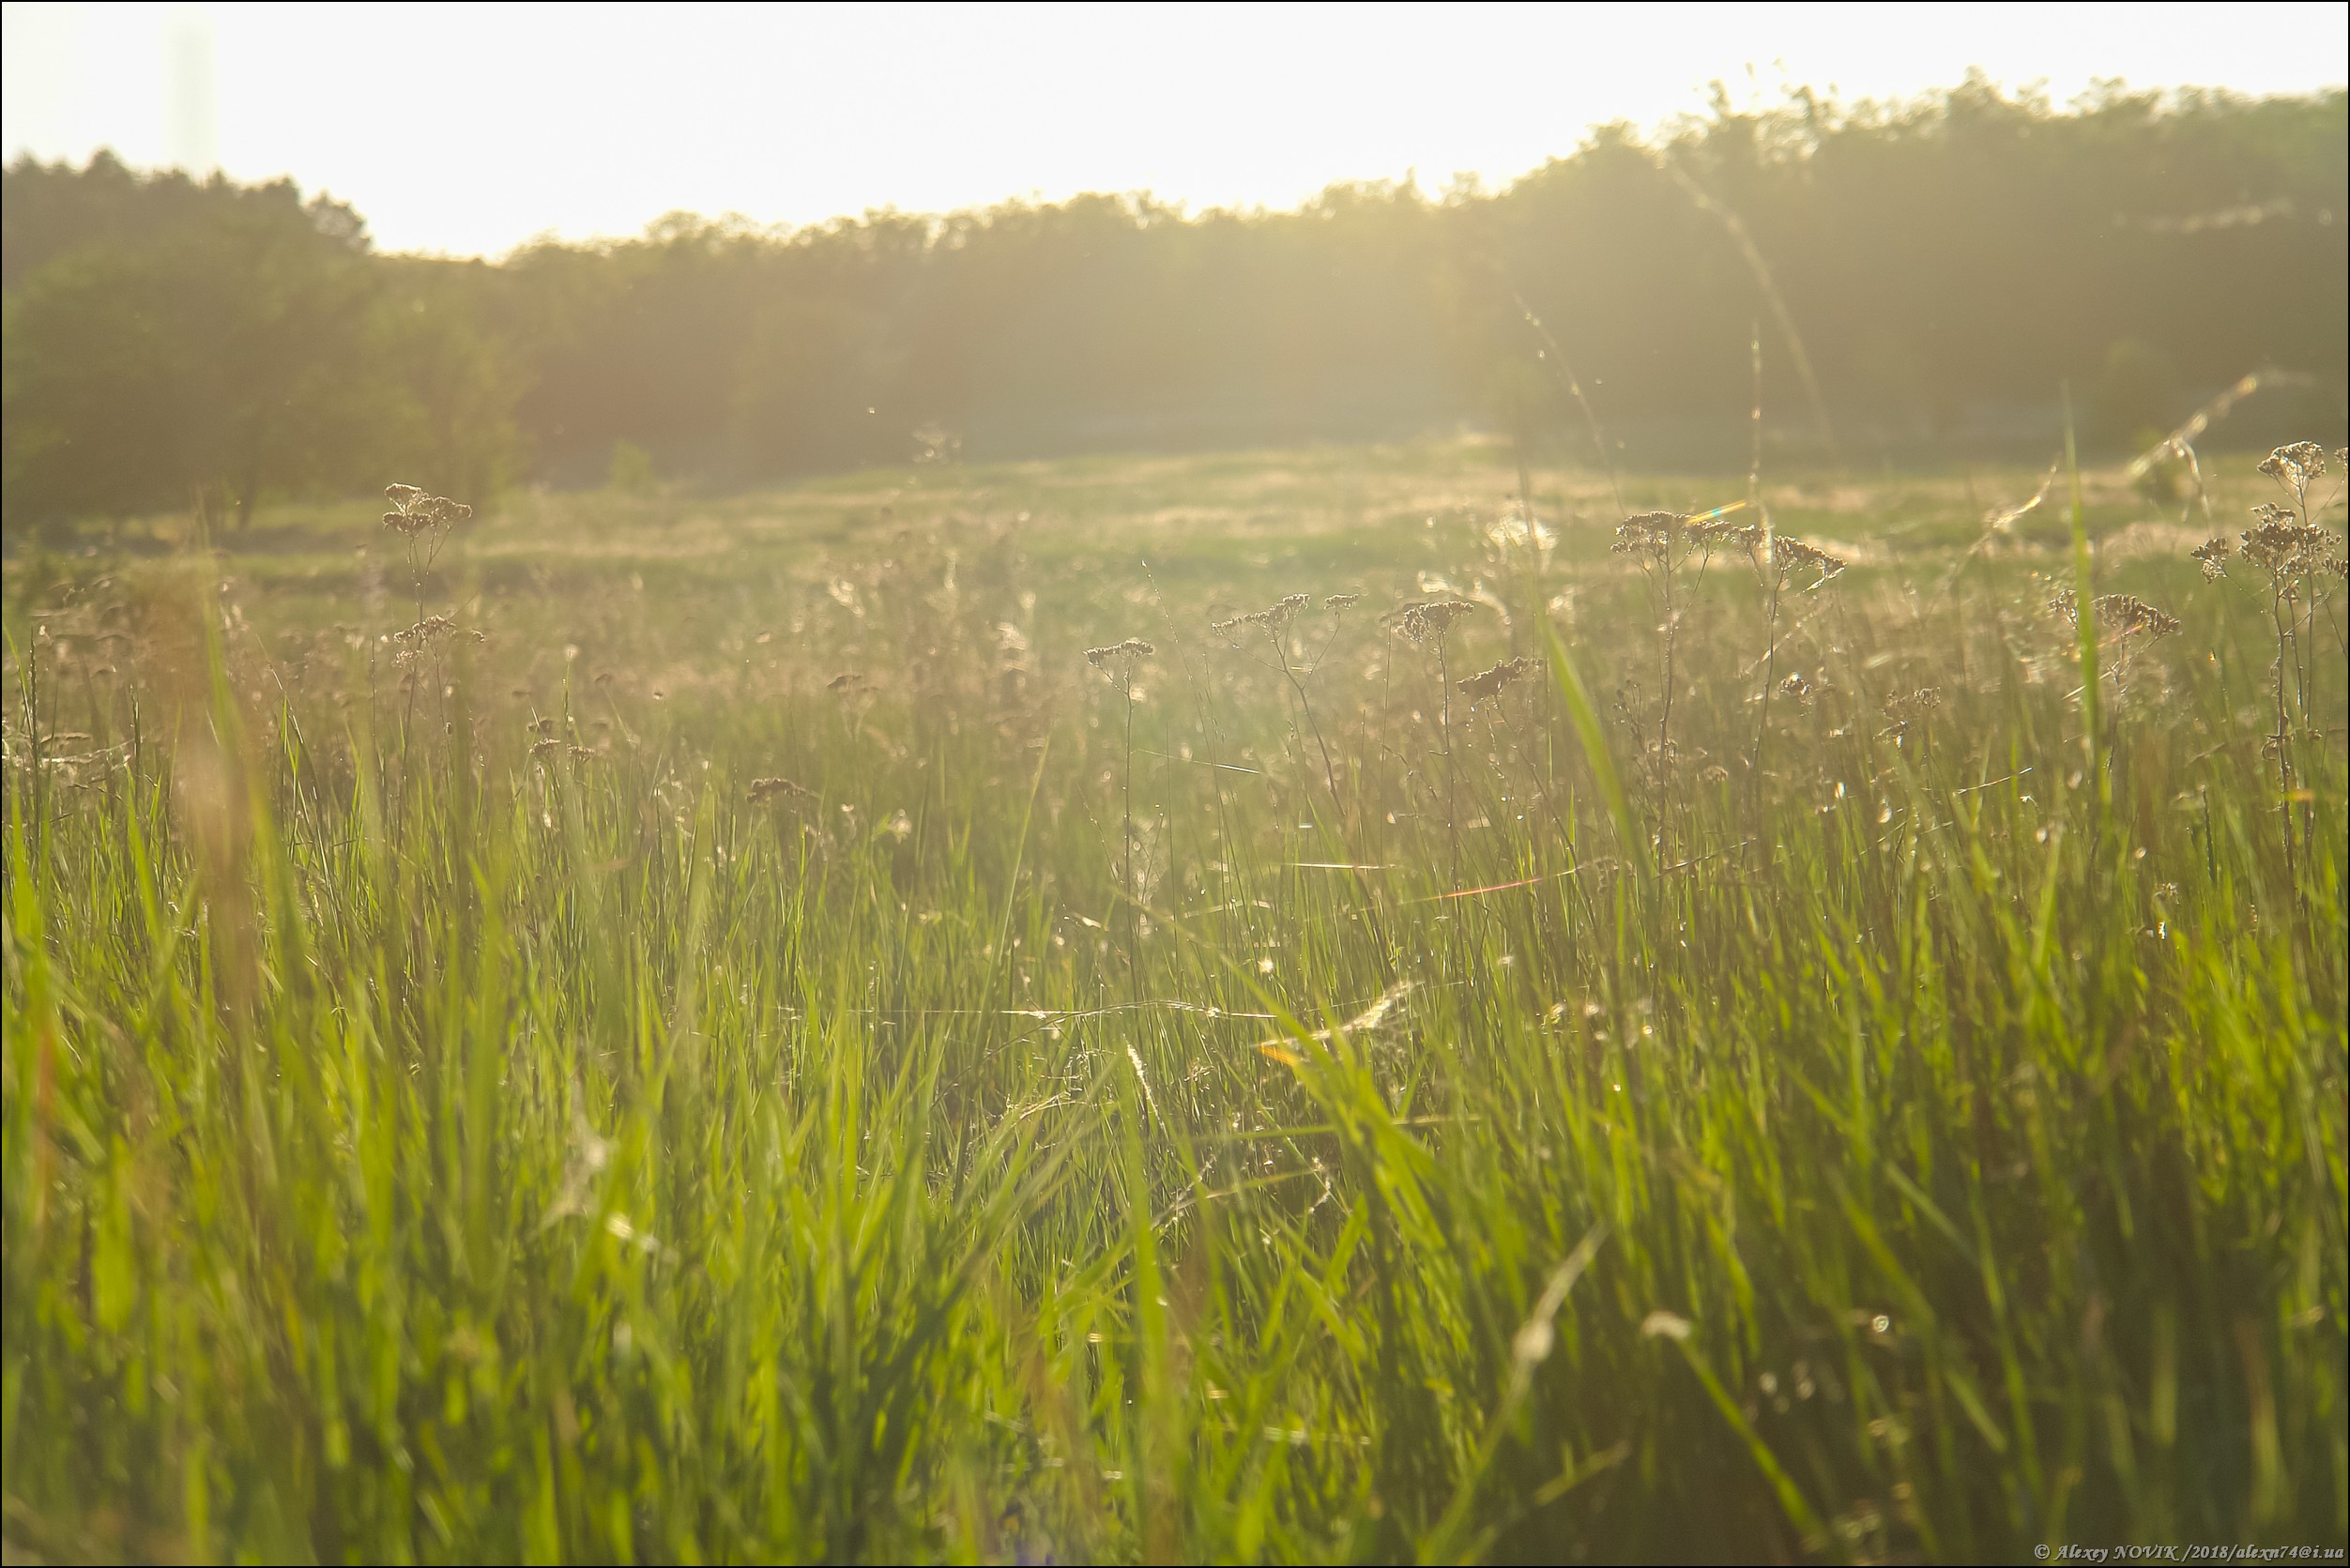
(1493, 682)
(2295, 465)
(416, 512)
(414, 640)
(1737, 535)
(768, 791)
(1132, 647)
(1425, 620)
(1790, 556)
(2122, 615)
(1716, 532)
(1906, 707)
(1274, 618)
(1649, 534)
(2282, 546)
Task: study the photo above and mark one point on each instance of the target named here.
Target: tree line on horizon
(1917, 278)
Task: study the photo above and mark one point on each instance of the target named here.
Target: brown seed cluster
(777, 791)
(417, 511)
(2282, 547)
(2298, 465)
(1132, 647)
(2122, 615)
(413, 642)
(1493, 682)
(1274, 618)
(1908, 708)
(1650, 534)
(2282, 542)
(1721, 533)
(1792, 555)
(550, 742)
(1426, 620)
(433, 629)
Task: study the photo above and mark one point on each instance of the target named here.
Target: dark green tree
(1923, 274)
(221, 355)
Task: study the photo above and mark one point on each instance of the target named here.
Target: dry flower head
(2122, 615)
(1493, 682)
(778, 790)
(1792, 555)
(416, 511)
(2281, 545)
(1426, 620)
(1274, 617)
(1650, 534)
(1720, 533)
(2298, 465)
(415, 641)
(1132, 647)
(1906, 707)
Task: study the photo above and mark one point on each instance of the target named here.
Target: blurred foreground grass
(771, 1053)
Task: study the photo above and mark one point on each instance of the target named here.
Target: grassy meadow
(1254, 1006)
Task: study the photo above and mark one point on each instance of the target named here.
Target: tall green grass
(1081, 1124)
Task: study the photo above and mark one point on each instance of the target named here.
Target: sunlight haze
(1146, 784)
(467, 130)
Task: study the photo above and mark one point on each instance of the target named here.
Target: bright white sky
(469, 129)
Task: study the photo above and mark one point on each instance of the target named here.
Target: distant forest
(1921, 277)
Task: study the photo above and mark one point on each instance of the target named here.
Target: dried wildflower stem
(1778, 580)
(2293, 552)
(1126, 836)
(424, 522)
(1305, 706)
(1668, 629)
(2085, 639)
(1659, 541)
(1274, 622)
(1754, 500)
(1427, 623)
(2281, 616)
(1452, 785)
(1126, 654)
